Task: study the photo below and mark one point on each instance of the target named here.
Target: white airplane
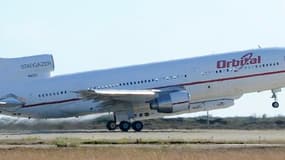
(139, 92)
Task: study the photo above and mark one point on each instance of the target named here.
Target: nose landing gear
(275, 104)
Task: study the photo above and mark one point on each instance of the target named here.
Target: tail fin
(25, 68)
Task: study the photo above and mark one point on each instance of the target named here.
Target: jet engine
(171, 102)
(39, 66)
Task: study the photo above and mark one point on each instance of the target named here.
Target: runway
(149, 144)
(224, 138)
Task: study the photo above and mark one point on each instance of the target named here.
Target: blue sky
(89, 34)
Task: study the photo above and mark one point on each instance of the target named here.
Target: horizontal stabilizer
(10, 102)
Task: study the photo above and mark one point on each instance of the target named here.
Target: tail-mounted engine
(171, 102)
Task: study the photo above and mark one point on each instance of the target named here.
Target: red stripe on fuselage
(223, 79)
(183, 84)
(54, 102)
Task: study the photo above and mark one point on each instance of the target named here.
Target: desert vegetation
(91, 122)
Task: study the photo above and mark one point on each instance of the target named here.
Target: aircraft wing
(134, 96)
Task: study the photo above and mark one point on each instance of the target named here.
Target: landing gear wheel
(111, 125)
(137, 126)
(125, 126)
(275, 104)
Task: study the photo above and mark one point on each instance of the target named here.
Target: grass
(141, 153)
(67, 142)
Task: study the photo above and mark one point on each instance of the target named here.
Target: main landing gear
(125, 126)
(275, 104)
(124, 123)
(111, 125)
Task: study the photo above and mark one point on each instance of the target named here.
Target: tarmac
(221, 138)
